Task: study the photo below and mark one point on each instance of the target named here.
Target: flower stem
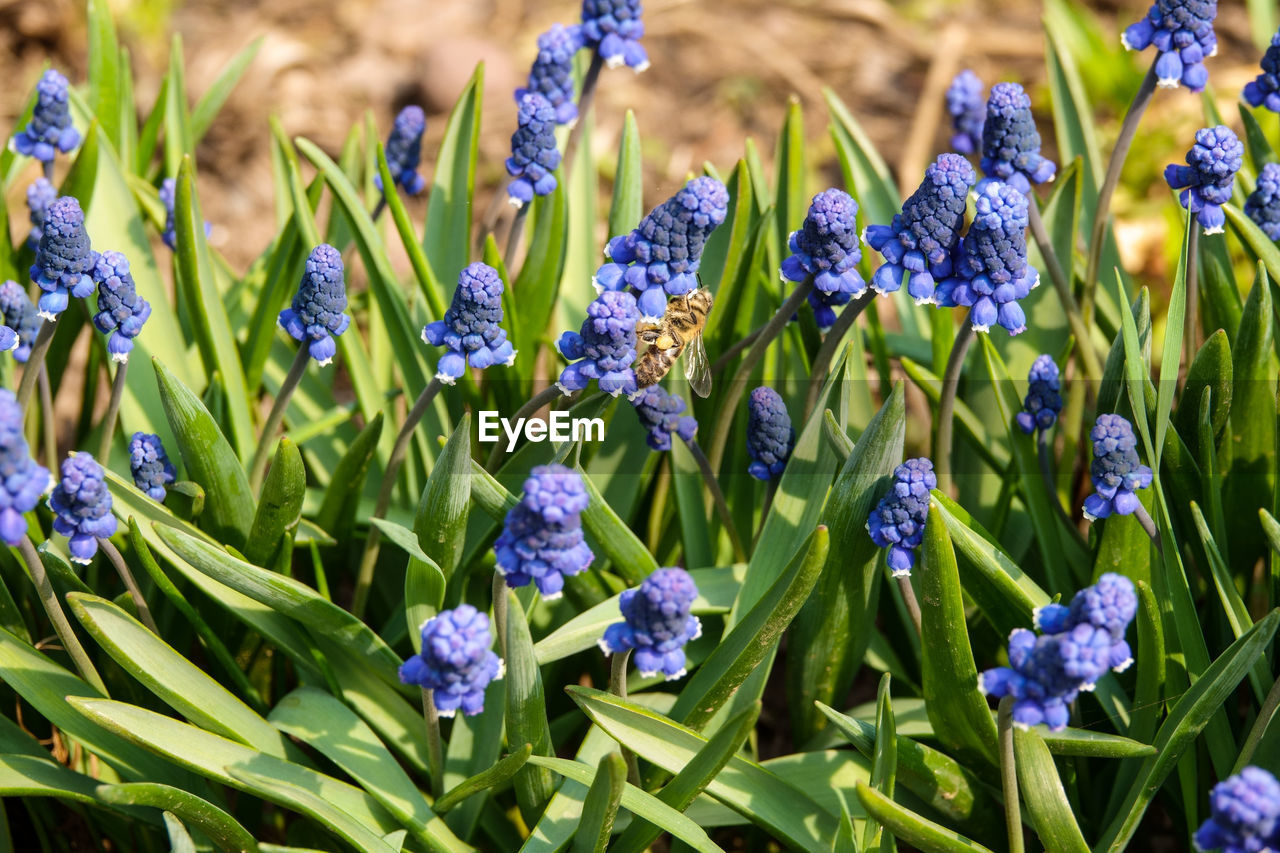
(909, 599)
(618, 687)
(276, 416)
(717, 497)
(1046, 471)
(1144, 518)
(364, 577)
(830, 344)
(47, 168)
(58, 616)
(378, 208)
(947, 405)
(500, 610)
(1009, 775)
(770, 491)
(585, 100)
(718, 366)
(1115, 166)
(1062, 285)
(48, 423)
(135, 593)
(1190, 337)
(740, 376)
(513, 235)
(537, 401)
(113, 412)
(34, 362)
(435, 748)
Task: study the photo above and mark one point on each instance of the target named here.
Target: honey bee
(679, 329)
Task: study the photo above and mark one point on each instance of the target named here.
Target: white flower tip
(678, 675)
(1124, 40)
(1022, 727)
(1088, 686)
(1214, 52)
(118, 357)
(515, 202)
(614, 62)
(901, 573)
(650, 674)
(599, 288)
(648, 319)
(423, 335)
(698, 631)
(512, 360)
(49, 315)
(502, 670)
(445, 379)
(926, 300)
(644, 66)
(563, 390)
(982, 683)
(324, 362)
(638, 393)
(879, 290)
(1088, 515)
(446, 713)
(553, 596)
(604, 647)
(82, 560)
(982, 328)
(1217, 229)
(1123, 665)
(1168, 82)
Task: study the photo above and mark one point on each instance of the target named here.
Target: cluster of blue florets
(657, 623)
(1116, 471)
(40, 194)
(968, 111)
(920, 242)
(1109, 605)
(1263, 204)
(1244, 814)
(50, 130)
(1010, 141)
(22, 481)
(662, 416)
(552, 73)
(614, 29)
(898, 521)
(121, 311)
(456, 662)
(660, 258)
(534, 155)
(404, 150)
(770, 435)
(1264, 90)
(605, 348)
(1209, 176)
(81, 506)
(1182, 32)
(20, 317)
(64, 258)
(541, 541)
(826, 247)
(471, 329)
(318, 314)
(150, 465)
(1043, 402)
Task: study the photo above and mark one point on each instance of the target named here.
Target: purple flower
(317, 314)
(657, 623)
(660, 258)
(21, 318)
(1047, 672)
(1010, 141)
(1109, 605)
(471, 330)
(1117, 472)
(1043, 401)
(614, 29)
(81, 506)
(968, 110)
(826, 247)
(1244, 814)
(40, 194)
(1263, 204)
(1209, 176)
(552, 72)
(22, 481)
(150, 465)
(661, 415)
(50, 129)
(64, 259)
(404, 150)
(605, 348)
(898, 521)
(456, 662)
(541, 540)
(534, 155)
(121, 311)
(770, 436)
(1182, 32)
(1264, 90)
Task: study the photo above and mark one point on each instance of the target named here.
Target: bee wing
(697, 368)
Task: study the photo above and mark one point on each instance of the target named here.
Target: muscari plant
(249, 619)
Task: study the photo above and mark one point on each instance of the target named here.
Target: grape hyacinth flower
(404, 150)
(81, 506)
(1264, 90)
(613, 29)
(1109, 605)
(534, 155)
(20, 316)
(1244, 814)
(471, 330)
(552, 73)
(826, 247)
(1043, 402)
(770, 435)
(150, 465)
(168, 196)
(541, 540)
(121, 311)
(1116, 471)
(50, 130)
(317, 315)
(968, 111)
(1182, 32)
(991, 269)
(824, 305)
(1263, 204)
(1047, 672)
(64, 259)
(657, 623)
(1209, 176)
(1010, 141)
(22, 481)
(660, 258)
(604, 349)
(898, 521)
(661, 415)
(456, 662)
(40, 195)
(919, 244)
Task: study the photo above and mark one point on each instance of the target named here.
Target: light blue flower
(81, 505)
(656, 623)
(471, 330)
(456, 661)
(317, 315)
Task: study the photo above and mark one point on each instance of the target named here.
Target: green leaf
(1262, 247)
(441, 519)
(221, 828)
(1091, 744)
(994, 454)
(280, 505)
(448, 234)
(180, 840)
(620, 544)
(628, 184)
(884, 767)
(342, 498)
(431, 289)
(483, 781)
(1171, 356)
(595, 828)
(1211, 368)
(536, 286)
(210, 103)
(792, 200)
(526, 711)
(104, 70)
(1255, 138)
(1050, 811)
(28, 776)
(307, 802)
(911, 827)
(1109, 394)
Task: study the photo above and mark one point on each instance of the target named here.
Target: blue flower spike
(770, 435)
(613, 28)
(968, 111)
(1244, 814)
(121, 311)
(657, 623)
(534, 155)
(919, 244)
(1043, 402)
(50, 130)
(604, 349)
(168, 197)
(1264, 90)
(1116, 471)
(1209, 176)
(40, 194)
(552, 73)
(317, 315)
(662, 416)
(150, 465)
(1263, 204)
(898, 521)
(64, 259)
(22, 481)
(21, 318)
(81, 506)
(826, 247)
(660, 258)
(1183, 36)
(541, 540)
(456, 662)
(991, 270)
(471, 331)
(1010, 141)
(404, 150)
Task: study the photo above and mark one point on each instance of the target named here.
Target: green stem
(1190, 336)
(48, 420)
(770, 491)
(500, 610)
(513, 235)
(135, 593)
(718, 366)
(378, 208)
(276, 417)
(1144, 518)
(830, 344)
(618, 687)
(717, 498)
(34, 362)
(1062, 285)
(1046, 471)
(1009, 775)
(909, 599)
(58, 616)
(947, 405)
(113, 412)
(435, 748)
